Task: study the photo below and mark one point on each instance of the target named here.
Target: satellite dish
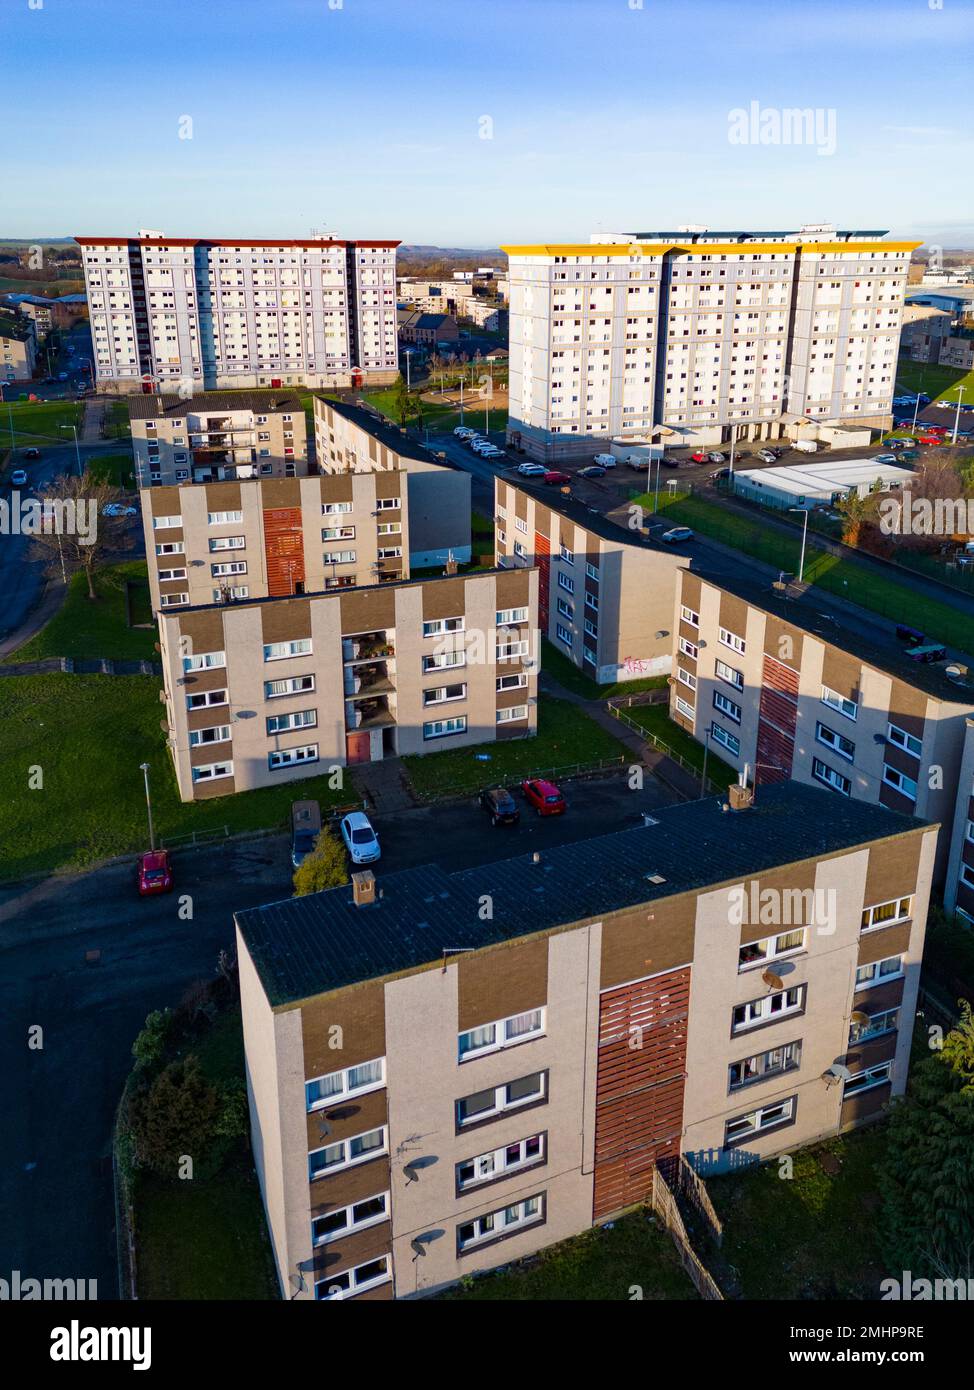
(772, 980)
(836, 1072)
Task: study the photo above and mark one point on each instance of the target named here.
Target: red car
(545, 797)
(699, 457)
(154, 873)
(553, 476)
(931, 439)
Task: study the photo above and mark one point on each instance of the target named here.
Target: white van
(806, 446)
(606, 460)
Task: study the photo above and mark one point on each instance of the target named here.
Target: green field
(892, 598)
(440, 418)
(935, 380)
(558, 666)
(82, 628)
(118, 470)
(36, 423)
(117, 424)
(655, 719)
(566, 735)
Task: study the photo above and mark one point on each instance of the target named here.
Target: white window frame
(495, 1164)
(687, 710)
(899, 738)
(444, 661)
(442, 627)
(510, 714)
(759, 1123)
(224, 518)
(166, 523)
(727, 706)
(835, 741)
(730, 674)
(438, 695)
(166, 576)
(351, 1225)
(205, 699)
(686, 678)
(835, 781)
(197, 741)
(345, 1090)
(292, 757)
(205, 661)
(354, 1287)
(758, 1011)
(291, 686)
(505, 616)
(839, 703)
(212, 772)
(876, 977)
(688, 648)
(879, 1075)
(217, 544)
(501, 1105)
(725, 738)
(773, 948)
(300, 646)
(435, 728)
(870, 922)
(170, 548)
(878, 1025)
(290, 720)
(501, 1040)
(731, 640)
(790, 1061)
(346, 1146)
(892, 773)
(502, 1222)
(689, 616)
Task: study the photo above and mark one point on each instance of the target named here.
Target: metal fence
(662, 747)
(549, 774)
(196, 837)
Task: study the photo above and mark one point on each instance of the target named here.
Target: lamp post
(148, 804)
(960, 392)
(77, 447)
(801, 563)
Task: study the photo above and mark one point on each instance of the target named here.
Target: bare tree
(72, 531)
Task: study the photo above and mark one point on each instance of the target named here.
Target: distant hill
(442, 260)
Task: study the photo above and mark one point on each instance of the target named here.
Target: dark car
(720, 473)
(594, 470)
(32, 453)
(500, 806)
(154, 873)
(545, 797)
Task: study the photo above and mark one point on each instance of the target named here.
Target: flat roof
(826, 478)
(311, 945)
(386, 433)
(309, 243)
(146, 407)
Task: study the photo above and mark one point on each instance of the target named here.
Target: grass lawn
(88, 735)
(893, 599)
(482, 536)
(566, 735)
(813, 1235)
(38, 422)
(85, 629)
(655, 719)
(935, 380)
(206, 1240)
(558, 666)
(116, 469)
(440, 417)
(602, 1265)
(116, 423)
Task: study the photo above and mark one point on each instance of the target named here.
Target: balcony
(366, 647)
(376, 712)
(375, 678)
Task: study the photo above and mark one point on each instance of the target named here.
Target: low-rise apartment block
(701, 333)
(212, 436)
(462, 1069)
(319, 312)
(258, 693)
(774, 685)
(275, 537)
(605, 596)
(18, 348)
(350, 439)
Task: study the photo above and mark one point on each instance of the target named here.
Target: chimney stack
(740, 798)
(363, 888)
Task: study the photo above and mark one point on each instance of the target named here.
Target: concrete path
(383, 786)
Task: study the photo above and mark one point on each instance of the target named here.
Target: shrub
(323, 868)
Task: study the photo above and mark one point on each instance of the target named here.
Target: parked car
(154, 873)
(118, 509)
(639, 465)
(361, 841)
(553, 476)
(885, 458)
(677, 534)
(717, 457)
(593, 470)
(531, 470)
(720, 474)
(18, 477)
(908, 455)
(491, 451)
(32, 453)
(464, 432)
(606, 460)
(305, 829)
(930, 438)
(767, 456)
(806, 446)
(545, 797)
(699, 457)
(500, 806)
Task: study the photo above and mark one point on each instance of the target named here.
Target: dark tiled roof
(204, 402)
(307, 946)
(387, 433)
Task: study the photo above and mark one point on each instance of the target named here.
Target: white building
(209, 314)
(700, 331)
(804, 485)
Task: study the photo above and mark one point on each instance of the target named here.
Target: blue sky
(364, 117)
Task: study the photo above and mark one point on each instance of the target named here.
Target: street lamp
(801, 563)
(77, 449)
(148, 804)
(960, 392)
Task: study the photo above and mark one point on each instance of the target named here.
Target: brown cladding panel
(783, 642)
(446, 598)
(221, 786)
(223, 497)
(887, 941)
(288, 620)
(878, 1000)
(164, 501)
(391, 484)
(841, 672)
(893, 868)
(798, 878)
(343, 1029)
(908, 709)
(346, 1118)
(335, 487)
(733, 613)
(643, 943)
(204, 630)
(690, 590)
(902, 760)
(864, 1105)
(280, 494)
(368, 610)
(513, 588)
(496, 984)
(519, 502)
(356, 1249)
(862, 1055)
(349, 1185)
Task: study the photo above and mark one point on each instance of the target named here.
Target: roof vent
(363, 888)
(536, 857)
(655, 878)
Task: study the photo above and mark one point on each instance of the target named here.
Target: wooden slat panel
(284, 547)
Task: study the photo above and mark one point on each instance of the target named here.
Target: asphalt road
(58, 1102)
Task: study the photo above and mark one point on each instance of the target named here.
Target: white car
(531, 470)
(464, 432)
(678, 534)
(490, 451)
(118, 509)
(361, 841)
(606, 460)
(18, 477)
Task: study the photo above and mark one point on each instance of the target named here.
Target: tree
(927, 1177)
(149, 1047)
(402, 399)
(73, 531)
(323, 868)
(853, 510)
(176, 1116)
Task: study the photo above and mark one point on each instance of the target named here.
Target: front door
(358, 747)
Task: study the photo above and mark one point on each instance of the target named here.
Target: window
(565, 609)
(771, 948)
(296, 719)
(216, 733)
(206, 698)
(906, 785)
(335, 508)
(165, 575)
(902, 739)
(166, 523)
(438, 627)
(567, 555)
(728, 707)
(338, 533)
(346, 1152)
(227, 543)
(683, 708)
(763, 1065)
(442, 693)
(387, 504)
(866, 1080)
(224, 518)
(388, 552)
(830, 778)
(209, 772)
(886, 914)
(731, 639)
(509, 714)
(592, 572)
(757, 1121)
(689, 616)
(341, 1085)
(346, 1220)
(515, 682)
(442, 728)
(204, 661)
(686, 678)
(838, 702)
(885, 1022)
(484, 1105)
(488, 1167)
(491, 1037)
(688, 649)
(228, 567)
(288, 757)
(505, 616)
(444, 661)
(497, 1224)
(353, 1281)
(291, 685)
(566, 582)
(729, 674)
(889, 969)
(279, 651)
(768, 1008)
(564, 634)
(171, 548)
(726, 739)
(837, 742)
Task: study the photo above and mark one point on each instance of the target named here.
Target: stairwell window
(217, 733)
(725, 738)
(770, 948)
(729, 674)
(688, 649)
(768, 1009)
(347, 1152)
(210, 772)
(347, 1220)
(727, 706)
(498, 1163)
(685, 709)
(342, 1085)
(830, 778)
(204, 661)
(689, 616)
(878, 971)
(495, 1225)
(350, 1282)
